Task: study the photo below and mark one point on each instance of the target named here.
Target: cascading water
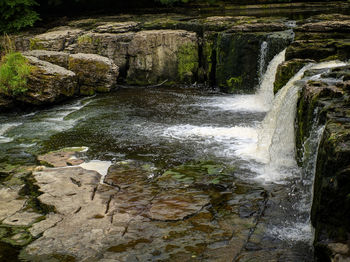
(276, 139)
(262, 58)
(276, 142)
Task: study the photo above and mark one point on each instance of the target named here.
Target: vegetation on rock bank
(14, 70)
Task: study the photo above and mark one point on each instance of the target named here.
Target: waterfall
(276, 136)
(262, 58)
(265, 92)
(276, 139)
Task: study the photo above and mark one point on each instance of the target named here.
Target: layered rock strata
(57, 76)
(173, 49)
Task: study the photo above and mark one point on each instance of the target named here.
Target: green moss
(234, 82)
(36, 44)
(286, 71)
(85, 39)
(14, 71)
(206, 173)
(161, 23)
(15, 235)
(188, 62)
(87, 90)
(31, 191)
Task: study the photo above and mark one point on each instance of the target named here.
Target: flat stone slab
(10, 202)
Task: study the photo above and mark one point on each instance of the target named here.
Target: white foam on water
(99, 166)
(294, 232)
(4, 128)
(210, 132)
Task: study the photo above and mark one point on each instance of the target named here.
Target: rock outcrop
(95, 73)
(326, 102)
(170, 50)
(56, 76)
(48, 83)
(132, 215)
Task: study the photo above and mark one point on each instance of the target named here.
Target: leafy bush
(14, 71)
(17, 14)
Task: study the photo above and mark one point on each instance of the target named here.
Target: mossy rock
(15, 235)
(205, 174)
(287, 70)
(319, 50)
(94, 72)
(187, 56)
(236, 55)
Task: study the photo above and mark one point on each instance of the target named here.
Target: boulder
(95, 73)
(48, 83)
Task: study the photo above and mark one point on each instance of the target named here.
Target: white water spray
(262, 58)
(276, 139)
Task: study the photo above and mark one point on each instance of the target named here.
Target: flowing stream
(172, 126)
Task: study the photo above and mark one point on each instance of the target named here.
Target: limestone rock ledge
(171, 49)
(48, 83)
(327, 103)
(57, 76)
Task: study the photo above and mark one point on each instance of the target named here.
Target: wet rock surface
(62, 158)
(136, 215)
(327, 101)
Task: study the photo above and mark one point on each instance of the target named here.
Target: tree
(17, 14)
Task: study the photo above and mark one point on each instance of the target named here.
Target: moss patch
(188, 62)
(36, 44)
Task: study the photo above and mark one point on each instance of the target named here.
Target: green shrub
(17, 14)
(14, 71)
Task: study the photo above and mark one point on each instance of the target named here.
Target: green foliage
(234, 81)
(17, 14)
(14, 70)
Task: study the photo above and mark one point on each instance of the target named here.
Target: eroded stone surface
(94, 72)
(55, 40)
(48, 83)
(62, 158)
(10, 202)
(134, 217)
(53, 57)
